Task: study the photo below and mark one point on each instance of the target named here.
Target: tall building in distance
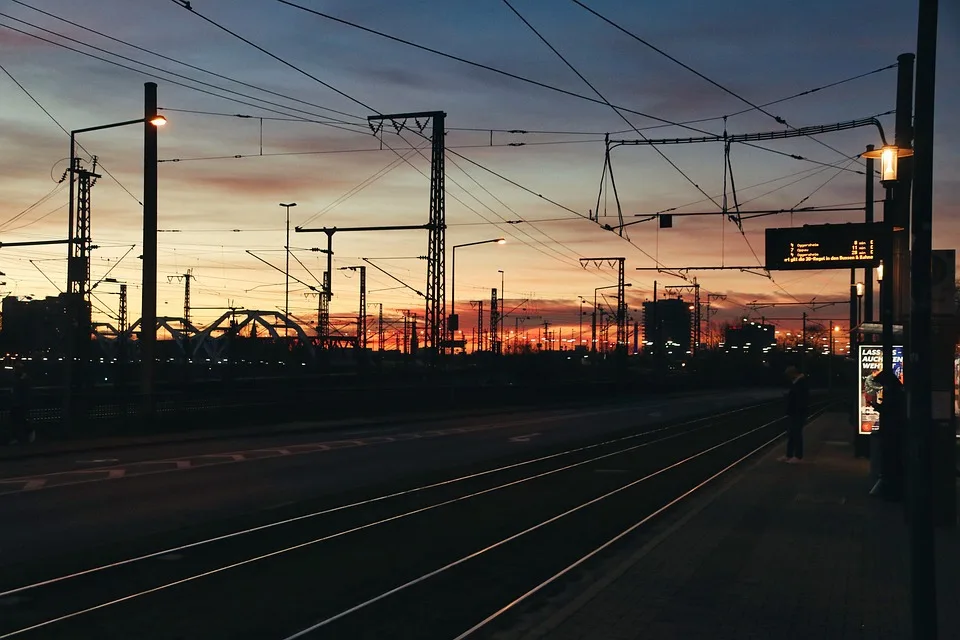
(668, 327)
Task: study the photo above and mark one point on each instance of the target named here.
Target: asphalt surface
(69, 514)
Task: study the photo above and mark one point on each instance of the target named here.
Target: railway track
(442, 560)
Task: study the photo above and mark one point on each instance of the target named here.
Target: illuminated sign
(823, 246)
(871, 392)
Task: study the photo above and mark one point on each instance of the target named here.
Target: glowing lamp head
(158, 121)
(888, 164)
(880, 272)
(889, 155)
(860, 289)
(501, 241)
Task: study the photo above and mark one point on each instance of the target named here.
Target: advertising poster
(871, 393)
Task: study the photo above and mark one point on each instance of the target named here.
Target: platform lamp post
(889, 156)
(860, 291)
(454, 320)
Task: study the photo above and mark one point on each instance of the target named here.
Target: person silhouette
(798, 399)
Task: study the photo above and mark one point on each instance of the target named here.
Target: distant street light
(286, 297)
(454, 324)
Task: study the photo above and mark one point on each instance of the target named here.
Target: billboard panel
(869, 390)
(823, 246)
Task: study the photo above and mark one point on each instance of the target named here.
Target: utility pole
(494, 321)
(500, 315)
(186, 298)
(122, 315)
(710, 298)
(286, 247)
(148, 312)
(621, 314)
(436, 254)
(380, 329)
(869, 219)
(479, 344)
(361, 340)
(919, 375)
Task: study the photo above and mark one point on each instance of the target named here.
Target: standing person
(893, 417)
(20, 409)
(797, 405)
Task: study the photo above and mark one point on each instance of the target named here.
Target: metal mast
(122, 316)
(621, 295)
(436, 261)
(79, 266)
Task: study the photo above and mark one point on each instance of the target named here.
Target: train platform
(776, 551)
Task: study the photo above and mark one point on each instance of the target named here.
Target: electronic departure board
(824, 246)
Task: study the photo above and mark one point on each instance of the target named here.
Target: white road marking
(34, 484)
(524, 438)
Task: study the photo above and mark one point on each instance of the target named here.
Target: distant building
(31, 326)
(750, 337)
(668, 327)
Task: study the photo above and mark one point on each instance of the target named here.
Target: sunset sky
(213, 211)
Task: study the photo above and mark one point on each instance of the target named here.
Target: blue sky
(761, 50)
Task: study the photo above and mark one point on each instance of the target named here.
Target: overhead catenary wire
(166, 79)
(736, 95)
(181, 62)
(57, 122)
(291, 65)
(607, 102)
(339, 123)
(189, 7)
(508, 74)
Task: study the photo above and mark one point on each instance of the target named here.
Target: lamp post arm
(108, 126)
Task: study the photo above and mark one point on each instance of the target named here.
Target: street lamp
(454, 320)
(286, 298)
(155, 120)
(148, 316)
(889, 154)
(860, 289)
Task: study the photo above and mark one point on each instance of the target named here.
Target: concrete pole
(148, 313)
(919, 375)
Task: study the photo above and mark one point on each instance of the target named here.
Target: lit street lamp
(148, 316)
(155, 120)
(454, 321)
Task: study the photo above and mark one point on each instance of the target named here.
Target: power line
(188, 7)
(607, 102)
(752, 105)
(185, 64)
(246, 156)
(508, 74)
(56, 122)
(167, 80)
(166, 71)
